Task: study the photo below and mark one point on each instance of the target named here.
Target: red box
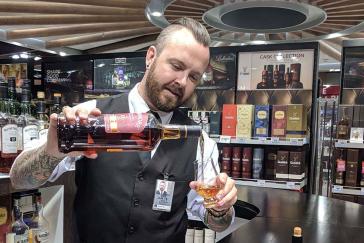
(279, 120)
(229, 120)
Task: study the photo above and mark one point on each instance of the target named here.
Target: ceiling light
(101, 65)
(156, 14)
(15, 56)
(37, 58)
(258, 42)
(16, 43)
(24, 55)
(334, 35)
(62, 54)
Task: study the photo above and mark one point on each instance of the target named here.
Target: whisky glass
(205, 175)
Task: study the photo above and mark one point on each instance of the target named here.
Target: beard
(154, 92)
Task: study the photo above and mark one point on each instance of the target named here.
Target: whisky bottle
(43, 120)
(8, 132)
(343, 126)
(57, 105)
(276, 77)
(39, 223)
(14, 105)
(264, 83)
(340, 169)
(119, 132)
(27, 125)
(18, 227)
(288, 78)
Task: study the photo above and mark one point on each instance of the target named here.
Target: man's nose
(182, 79)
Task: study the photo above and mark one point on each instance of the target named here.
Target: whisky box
(228, 120)
(279, 120)
(282, 165)
(270, 161)
(257, 166)
(236, 166)
(296, 121)
(226, 166)
(245, 118)
(296, 168)
(236, 162)
(246, 161)
(361, 116)
(356, 134)
(261, 118)
(350, 113)
(226, 152)
(356, 116)
(215, 123)
(352, 161)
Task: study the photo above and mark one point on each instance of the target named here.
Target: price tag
(261, 182)
(362, 191)
(241, 140)
(341, 142)
(224, 139)
(337, 188)
(294, 141)
(262, 139)
(291, 185)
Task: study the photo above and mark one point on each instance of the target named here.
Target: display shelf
(214, 87)
(4, 176)
(349, 190)
(262, 141)
(287, 185)
(340, 143)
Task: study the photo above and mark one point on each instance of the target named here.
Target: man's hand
(70, 115)
(227, 195)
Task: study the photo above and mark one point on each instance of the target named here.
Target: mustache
(176, 89)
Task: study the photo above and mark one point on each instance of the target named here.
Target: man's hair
(198, 31)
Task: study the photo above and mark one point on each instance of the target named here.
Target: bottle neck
(180, 131)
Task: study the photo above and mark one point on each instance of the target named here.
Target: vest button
(136, 202)
(131, 229)
(140, 177)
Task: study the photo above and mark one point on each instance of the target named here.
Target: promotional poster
(288, 69)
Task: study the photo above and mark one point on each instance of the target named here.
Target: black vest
(115, 192)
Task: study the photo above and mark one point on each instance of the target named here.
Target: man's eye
(194, 78)
(176, 67)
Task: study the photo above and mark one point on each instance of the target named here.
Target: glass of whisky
(205, 175)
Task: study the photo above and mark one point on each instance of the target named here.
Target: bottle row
(349, 167)
(248, 121)
(23, 219)
(18, 126)
(351, 123)
(259, 163)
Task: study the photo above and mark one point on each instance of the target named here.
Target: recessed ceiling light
(15, 56)
(258, 42)
(62, 54)
(24, 55)
(37, 58)
(156, 14)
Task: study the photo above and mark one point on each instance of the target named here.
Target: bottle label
(43, 134)
(343, 129)
(340, 165)
(41, 235)
(21, 238)
(9, 141)
(30, 132)
(3, 215)
(125, 122)
(20, 138)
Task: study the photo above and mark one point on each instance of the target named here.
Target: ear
(151, 55)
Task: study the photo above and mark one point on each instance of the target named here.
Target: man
(115, 191)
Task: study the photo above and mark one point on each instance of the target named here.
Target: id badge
(163, 195)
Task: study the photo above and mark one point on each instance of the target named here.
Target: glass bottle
(39, 223)
(288, 79)
(56, 107)
(276, 77)
(18, 226)
(119, 132)
(343, 126)
(27, 125)
(43, 120)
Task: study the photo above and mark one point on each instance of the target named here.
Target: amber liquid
(209, 194)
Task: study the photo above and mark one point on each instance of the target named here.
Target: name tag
(163, 195)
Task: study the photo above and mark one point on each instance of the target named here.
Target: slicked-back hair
(198, 31)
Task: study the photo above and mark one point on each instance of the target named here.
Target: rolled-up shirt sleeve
(65, 165)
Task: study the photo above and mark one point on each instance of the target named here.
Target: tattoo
(218, 224)
(32, 168)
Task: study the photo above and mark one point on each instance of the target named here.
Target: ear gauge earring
(147, 66)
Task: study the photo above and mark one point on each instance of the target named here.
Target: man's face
(175, 72)
(162, 186)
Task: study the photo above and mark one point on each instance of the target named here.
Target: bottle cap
(40, 95)
(297, 232)
(193, 131)
(57, 95)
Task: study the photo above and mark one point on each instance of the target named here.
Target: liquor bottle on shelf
(362, 174)
(343, 126)
(18, 227)
(8, 131)
(27, 124)
(340, 168)
(258, 156)
(205, 121)
(39, 224)
(43, 119)
(264, 83)
(119, 132)
(14, 105)
(246, 161)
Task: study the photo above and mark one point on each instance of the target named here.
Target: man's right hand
(70, 115)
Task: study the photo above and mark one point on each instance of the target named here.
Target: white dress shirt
(195, 208)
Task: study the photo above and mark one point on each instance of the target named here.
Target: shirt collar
(138, 105)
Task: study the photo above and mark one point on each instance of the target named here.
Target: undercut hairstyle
(198, 31)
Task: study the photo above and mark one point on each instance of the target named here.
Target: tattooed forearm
(32, 168)
(219, 223)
